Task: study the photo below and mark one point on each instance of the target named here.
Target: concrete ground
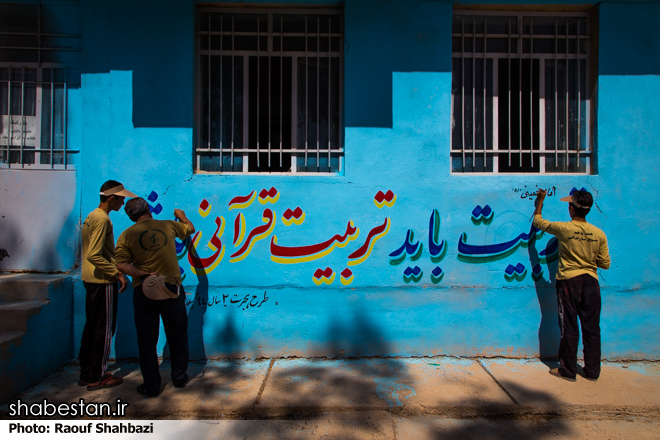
(382, 398)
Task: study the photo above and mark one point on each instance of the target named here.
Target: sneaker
(591, 379)
(181, 383)
(143, 390)
(555, 372)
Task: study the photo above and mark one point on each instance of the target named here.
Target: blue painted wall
(136, 107)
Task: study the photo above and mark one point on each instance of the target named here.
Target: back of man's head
(136, 208)
(585, 201)
(106, 186)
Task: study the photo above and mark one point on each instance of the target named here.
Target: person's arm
(540, 197)
(95, 250)
(123, 282)
(133, 271)
(603, 258)
(539, 222)
(181, 216)
(124, 260)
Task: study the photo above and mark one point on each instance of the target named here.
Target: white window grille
(520, 93)
(33, 108)
(39, 62)
(269, 91)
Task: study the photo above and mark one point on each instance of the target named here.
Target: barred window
(39, 62)
(269, 94)
(520, 93)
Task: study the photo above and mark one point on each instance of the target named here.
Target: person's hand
(123, 282)
(146, 275)
(538, 203)
(178, 213)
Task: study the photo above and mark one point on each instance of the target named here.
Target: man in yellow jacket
(582, 250)
(100, 277)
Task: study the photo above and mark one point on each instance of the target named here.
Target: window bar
(463, 89)
(198, 96)
(484, 94)
(258, 84)
(587, 108)
(10, 120)
(508, 47)
(245, 144)
(318, 79)
(281, 83)
(531, 90)
(39, 31)
(270, 76)
(496, 128)
(520, 124)
(306, 92)
(52, 95)
(567, 102)
(474, 90)
(542, 115)
(294, 113)
(556, 102)
(341, 95)
(208, 91)
(329, 87)
(20, 158)
(231, 153)
(270, 79)
(588, 141)
(64, 118)
(579, 84)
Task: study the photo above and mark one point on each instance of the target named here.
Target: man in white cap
(147, 252)
(582, 250)
(100, 276)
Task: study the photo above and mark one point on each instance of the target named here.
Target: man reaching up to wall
(582, 249)
(146, 251)
(100, 277)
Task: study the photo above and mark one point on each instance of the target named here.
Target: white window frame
(314, 149)
(542, 152)
(29, 140)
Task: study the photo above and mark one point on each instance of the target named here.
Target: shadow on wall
(629, 35)
(8, 234)
(125, 335)
(386, 37)
(549, 333)
(20, 251)
(162, 67)
(39, 228)
(196, 319)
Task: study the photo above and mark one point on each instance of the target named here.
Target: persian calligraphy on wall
(364, 242)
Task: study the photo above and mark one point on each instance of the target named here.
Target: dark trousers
(147, 313)
(100, 325)
(579, 297)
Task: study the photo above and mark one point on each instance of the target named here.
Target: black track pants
(579, 297)
(100, 325)
(147, 323)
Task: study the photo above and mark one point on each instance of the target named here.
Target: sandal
(108, 381)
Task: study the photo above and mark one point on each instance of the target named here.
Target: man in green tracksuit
(100, 277)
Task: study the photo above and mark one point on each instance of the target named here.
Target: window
(269, 94)
(521, 93)
(39, 59)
